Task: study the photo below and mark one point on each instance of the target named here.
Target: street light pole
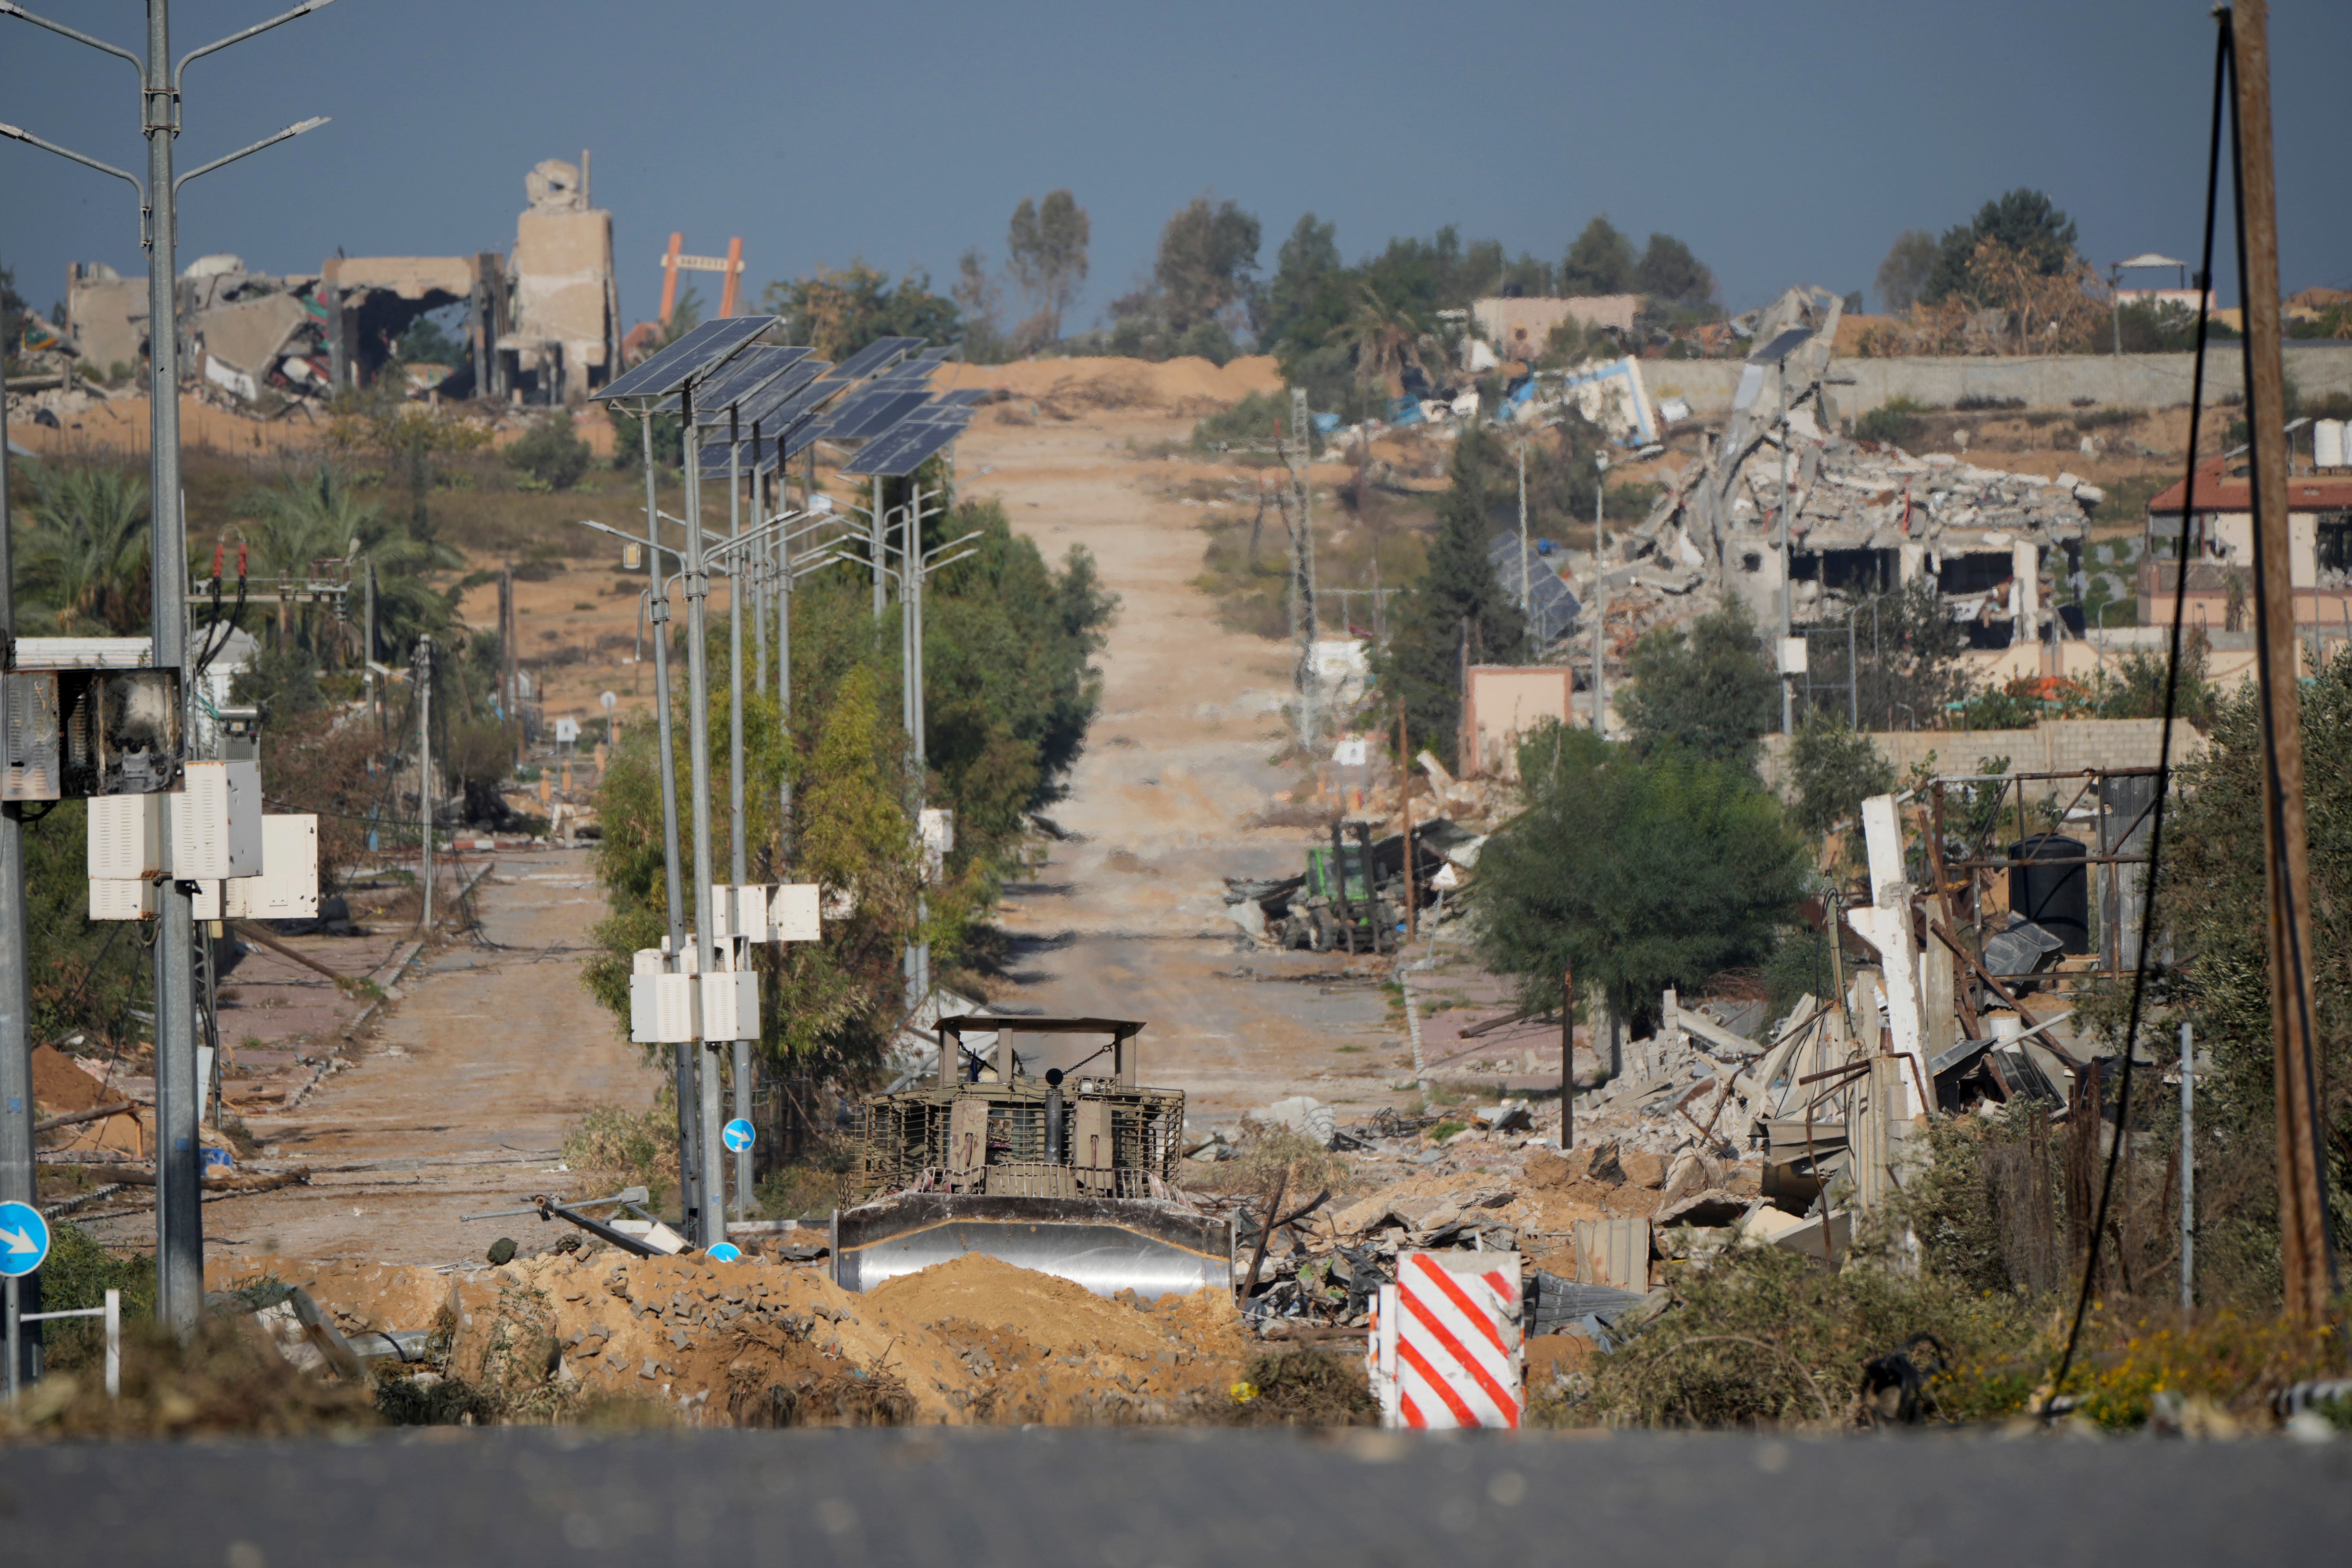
(698, 723)
(179, 1221)
(16, 1178)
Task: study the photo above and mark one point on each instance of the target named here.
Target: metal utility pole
(509, 629)
(2187, 1171)
(878, 535)
(698, 730)
(1600, 673)
(1300, 454)
(179, 1221)
(425, 782)
(1526, 583)
(1567, 1059)
(16, 1174)
(375, 702)
(2308, 1270)
(1788, 563)
(742, 571)
(758, 603)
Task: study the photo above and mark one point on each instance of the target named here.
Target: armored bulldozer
(1067, 1170)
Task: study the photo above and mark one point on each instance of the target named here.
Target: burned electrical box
(77, 734)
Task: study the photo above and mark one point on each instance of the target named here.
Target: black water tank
(2052, 889)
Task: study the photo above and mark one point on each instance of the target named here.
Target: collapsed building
(542, 325)
(1858, 520)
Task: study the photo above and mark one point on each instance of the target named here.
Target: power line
(2224, 60)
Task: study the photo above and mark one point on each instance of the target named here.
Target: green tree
(1635, 873)
(2024, 222)
(1903, 276)
(1208, 254)
(1834, 770)
(83, 555)
(1669, 274)
(837, 312)
(1706, 688)
(550, 453)
(1012, 688)
(1047, 246)
(83, 973)
(2212, 898)
(1600, 261)
(1455, 612)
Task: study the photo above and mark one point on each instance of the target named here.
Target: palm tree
(306, 518)
(1384, 339)
(86, 550)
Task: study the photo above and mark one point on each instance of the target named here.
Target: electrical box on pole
(78, 734)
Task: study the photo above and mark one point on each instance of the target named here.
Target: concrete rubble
(1859, 519)
(542, 326)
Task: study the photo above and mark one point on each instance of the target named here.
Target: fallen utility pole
(2307, 1270)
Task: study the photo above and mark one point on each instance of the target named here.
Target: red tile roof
(2217, 491)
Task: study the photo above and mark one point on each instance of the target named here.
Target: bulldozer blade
(1106, 1245)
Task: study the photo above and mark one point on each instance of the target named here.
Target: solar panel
(1553, 610)
(871, 416)
(732, 381)
(705, 346)
(758, 458)
(778, 405)
(905, 449)
(761, 406)
(966, 398)
(874, 356)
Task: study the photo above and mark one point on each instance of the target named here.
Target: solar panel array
(878, 397)
(910, 444)
(734, 381)
(870, 414)
(1553, 610)
(766, 405)
(707, 345)
(875, 356)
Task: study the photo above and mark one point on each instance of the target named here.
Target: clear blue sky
(1786, 144)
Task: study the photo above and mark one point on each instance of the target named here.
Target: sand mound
(1056, 1316)
(759, 1342)
(60, 1088)
(1184, 384)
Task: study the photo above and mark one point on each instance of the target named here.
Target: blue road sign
(737, 1135)
(726, 1252)
(24, 1239)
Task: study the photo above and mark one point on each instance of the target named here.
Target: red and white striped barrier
(1446, 1346)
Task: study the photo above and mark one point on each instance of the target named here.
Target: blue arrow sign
(24, 1239)
(737, 1135)
(726, 1252)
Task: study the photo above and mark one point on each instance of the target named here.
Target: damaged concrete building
(1858, 520)
(542, 326)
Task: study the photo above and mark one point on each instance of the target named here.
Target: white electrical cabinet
(216, 822)
(664, 1009)
(730, 1005)
(792, 913)
(288, 887)
(126, 835)
(119, 898)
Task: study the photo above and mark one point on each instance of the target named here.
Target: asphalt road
(1104, 1499)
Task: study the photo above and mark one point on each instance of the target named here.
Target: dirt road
(1127, 921)
(457, 1099)
(457, 1102)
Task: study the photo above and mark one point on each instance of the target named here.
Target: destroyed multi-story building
(542, 326)
(1781, 504)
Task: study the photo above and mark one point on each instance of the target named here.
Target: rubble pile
(1861, 519)
(972, 1341)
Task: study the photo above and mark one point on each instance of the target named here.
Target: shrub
(550, 453)
(1256, 417)
(1894, 423)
